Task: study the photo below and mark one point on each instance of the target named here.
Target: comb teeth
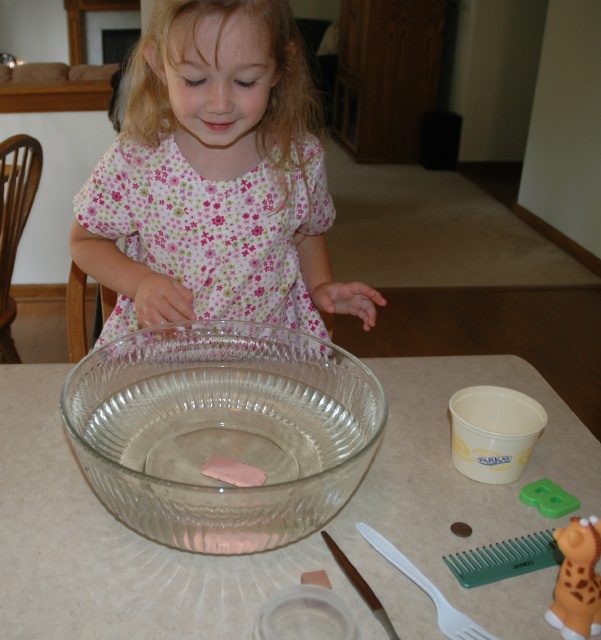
(505, 559)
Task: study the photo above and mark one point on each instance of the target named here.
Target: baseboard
(584, 256)
(51, 292)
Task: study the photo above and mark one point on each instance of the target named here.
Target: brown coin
(461, 529)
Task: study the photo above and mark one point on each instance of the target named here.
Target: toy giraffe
(576, 608)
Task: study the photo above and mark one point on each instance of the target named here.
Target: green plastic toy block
(552, 501)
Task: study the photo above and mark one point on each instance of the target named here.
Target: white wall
(145, 7)
(72, 144)
(497, 57)
(34, 30)
(561, 178)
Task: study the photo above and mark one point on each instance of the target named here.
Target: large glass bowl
(146, 413)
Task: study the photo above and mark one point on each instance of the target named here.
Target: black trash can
(440, 137)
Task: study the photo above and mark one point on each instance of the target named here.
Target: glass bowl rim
(224, 488)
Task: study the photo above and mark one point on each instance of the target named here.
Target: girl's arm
(314, 261)
(157, 297)
(354, 298)
(101, 259)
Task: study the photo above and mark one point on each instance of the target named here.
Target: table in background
(68, 569)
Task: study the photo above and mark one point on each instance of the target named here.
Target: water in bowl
(170, 424)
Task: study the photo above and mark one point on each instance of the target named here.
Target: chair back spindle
(21, 161)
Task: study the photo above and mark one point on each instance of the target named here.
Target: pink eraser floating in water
(234, 472)
(316, 578)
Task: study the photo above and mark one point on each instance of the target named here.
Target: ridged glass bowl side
(308, 411)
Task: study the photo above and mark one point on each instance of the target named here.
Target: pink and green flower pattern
(231, 242)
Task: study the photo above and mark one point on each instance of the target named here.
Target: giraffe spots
(578, 589)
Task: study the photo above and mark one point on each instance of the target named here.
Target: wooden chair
(21, 160)
(77, 330)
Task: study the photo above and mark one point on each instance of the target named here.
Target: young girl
(217, 179)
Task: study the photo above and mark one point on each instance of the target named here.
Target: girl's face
(221, 101)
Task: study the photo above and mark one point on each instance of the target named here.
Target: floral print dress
(231, 242)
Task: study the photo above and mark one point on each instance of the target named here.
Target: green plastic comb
(505, 559)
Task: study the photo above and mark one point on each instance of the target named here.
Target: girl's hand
(160, 299)
(354, 298)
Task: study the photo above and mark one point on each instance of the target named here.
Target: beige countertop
(68, 569)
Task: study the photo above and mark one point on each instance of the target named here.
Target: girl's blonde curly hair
(294, 107)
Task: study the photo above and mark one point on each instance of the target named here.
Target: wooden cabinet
(387, 78)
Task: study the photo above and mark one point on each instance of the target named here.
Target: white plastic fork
(452, 623)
